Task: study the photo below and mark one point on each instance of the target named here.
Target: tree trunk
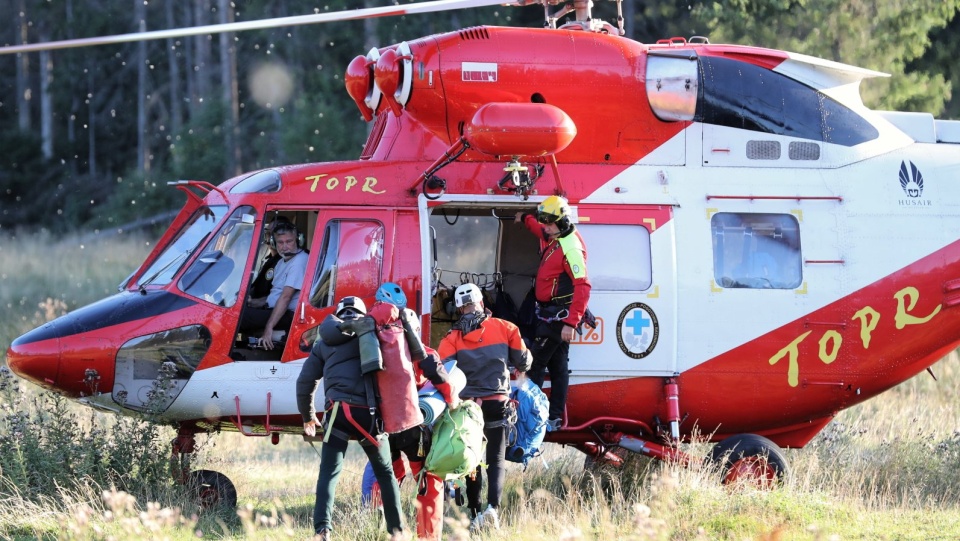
(91, 124)
(140, 16)
(201, 64)
(46, 100)
(370, 38)
(173, 59)
(228, 83)
(74, 102)
(23, 70)
(190, 50)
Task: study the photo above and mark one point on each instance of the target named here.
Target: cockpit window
(741, 95)
(168, 263)
(261, 182)
(215, 276)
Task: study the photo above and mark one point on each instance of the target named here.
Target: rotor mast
(582, 12)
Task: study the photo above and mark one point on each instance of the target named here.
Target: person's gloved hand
(446, 390)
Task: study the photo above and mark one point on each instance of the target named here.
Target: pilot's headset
(285, 227)
(393, 294)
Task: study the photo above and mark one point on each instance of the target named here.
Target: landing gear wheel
(213, 489)
(752, 460)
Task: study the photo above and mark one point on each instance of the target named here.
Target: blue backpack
(525, 440)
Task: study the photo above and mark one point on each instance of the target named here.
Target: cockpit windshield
(215, 276)
(193, 234)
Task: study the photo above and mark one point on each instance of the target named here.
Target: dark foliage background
(89, 137)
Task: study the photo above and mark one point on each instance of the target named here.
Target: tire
(213, 490)
(751, 459)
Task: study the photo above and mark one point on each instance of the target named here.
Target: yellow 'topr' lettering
(902, 317)
(368, 185)
(829, 356)
(793, 371)
(869, 319)
(314, 180)
(349, 181)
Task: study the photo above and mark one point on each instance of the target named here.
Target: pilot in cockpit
(273, 314)
(264, 280)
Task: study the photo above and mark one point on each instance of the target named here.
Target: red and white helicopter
(764, 250)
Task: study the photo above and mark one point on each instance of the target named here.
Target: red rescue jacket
(556, 281)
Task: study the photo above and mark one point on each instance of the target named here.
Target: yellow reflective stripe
(573, 251)
(333, 417)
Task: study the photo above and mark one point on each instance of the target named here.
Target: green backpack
(457, 446)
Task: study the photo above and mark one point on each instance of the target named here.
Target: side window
(351, 261)
(618, 257)
(756, 251)
(215, 276)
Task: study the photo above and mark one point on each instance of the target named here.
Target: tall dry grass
(43, 275)
(886, 469)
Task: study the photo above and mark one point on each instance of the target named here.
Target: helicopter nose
(36, 360)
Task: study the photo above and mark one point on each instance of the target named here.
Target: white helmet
(466, 294)
(352, 303)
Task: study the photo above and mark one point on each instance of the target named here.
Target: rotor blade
(364, 13)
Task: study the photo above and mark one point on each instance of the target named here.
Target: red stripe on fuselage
(802, 373)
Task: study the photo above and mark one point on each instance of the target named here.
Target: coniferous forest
(89, 137)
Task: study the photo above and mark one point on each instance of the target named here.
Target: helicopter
(764, 250)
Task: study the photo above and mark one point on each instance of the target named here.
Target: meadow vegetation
(886, 469)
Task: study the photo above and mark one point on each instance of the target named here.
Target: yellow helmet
(554, 209)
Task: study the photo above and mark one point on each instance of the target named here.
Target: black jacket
(335, 357)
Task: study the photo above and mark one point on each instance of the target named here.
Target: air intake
(763, 150)
(804, 151)
(478, 32)
(376, 134)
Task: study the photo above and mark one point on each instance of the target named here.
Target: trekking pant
(429, 504)
(331, 465)
(551, 354)
(494, 413)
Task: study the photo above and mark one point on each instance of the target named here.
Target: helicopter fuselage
(755, 235)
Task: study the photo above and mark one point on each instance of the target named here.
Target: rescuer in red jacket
(563, 291)
(415, 442)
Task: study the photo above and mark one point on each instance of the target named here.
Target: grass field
(887, 469)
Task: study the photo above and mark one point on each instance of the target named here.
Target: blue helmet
(391, 293)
